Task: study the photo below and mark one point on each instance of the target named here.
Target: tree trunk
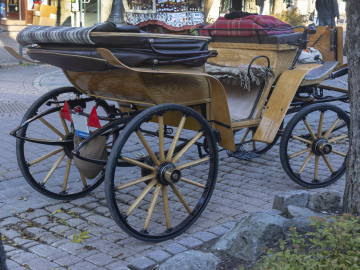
(207, 7)
(278, 7)
(352, 187)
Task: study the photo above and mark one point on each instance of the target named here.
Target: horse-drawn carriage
(159, 118)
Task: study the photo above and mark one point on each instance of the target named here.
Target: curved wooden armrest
(18, 56)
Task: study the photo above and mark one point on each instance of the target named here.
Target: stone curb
(150, 262)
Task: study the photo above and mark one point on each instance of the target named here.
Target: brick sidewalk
(43, 241)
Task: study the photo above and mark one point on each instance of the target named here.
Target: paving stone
(191, 242)
(100, 259)
(10, 233)
(67, 260)
(84, 266)
(23, 257)
(9, 221)
(43, 250)
(205, 236)
(12, 265)
(159, 256)
(229, 225)
(218, 230)
(142, 263)
(175, 248)
(41, 264)
(103, 245)
(40, 221)
(75, 222)
(34, 214)
(84, 200)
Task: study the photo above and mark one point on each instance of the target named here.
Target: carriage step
(243, 155)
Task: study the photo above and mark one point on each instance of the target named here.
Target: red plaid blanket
(253, 22)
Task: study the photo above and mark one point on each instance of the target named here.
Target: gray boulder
(296, 211)
(284, 199)
(246, 238)
(299, 217)
(325, 200)
(191, 260)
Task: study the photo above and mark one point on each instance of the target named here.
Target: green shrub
(292, 17)
(333, 244)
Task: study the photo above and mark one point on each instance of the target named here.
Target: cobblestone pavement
(39, 237)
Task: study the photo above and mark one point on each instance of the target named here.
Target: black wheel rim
(196, 191)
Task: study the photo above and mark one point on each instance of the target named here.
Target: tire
(66, 182)
(318, 160)
(183, 197)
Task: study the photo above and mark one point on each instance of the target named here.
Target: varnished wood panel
(220, 112)
(177, 88)
(219, 107)
(245, 123)
(240, 57)
(253, 46)
(323, 45)
(279, 102)
(118, 84)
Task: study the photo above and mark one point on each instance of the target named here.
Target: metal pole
(229, 6)
(117, 13)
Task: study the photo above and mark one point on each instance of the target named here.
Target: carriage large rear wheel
(314, 145)
(49, 168)
(168, 185)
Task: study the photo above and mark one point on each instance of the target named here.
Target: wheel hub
(321, 147)
(168, 174)
(69, 147)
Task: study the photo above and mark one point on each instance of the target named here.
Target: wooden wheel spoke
(327, 133)
(192, 163)
(152, 206)
(245, 135)
(300, 152)
(52, 127)
(306, 162)
(181, 198)
(186, 147)
(137, 181)
(67, 172)
(338, 153)
(176, 138)
(166, 207)
(53, 168)
(141, 197)
(309, 129)
(301, 139)
(45, 156)
(338, 138)
(148, 148)
(138, 163)
(328, 164)
(316, 170)
(191, 182)
(62, 119)
(321, 122)
(161, 139)
(83, 179)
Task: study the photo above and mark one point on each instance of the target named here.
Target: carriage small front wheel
(314, 145)
(46, 161)
(159, 199)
